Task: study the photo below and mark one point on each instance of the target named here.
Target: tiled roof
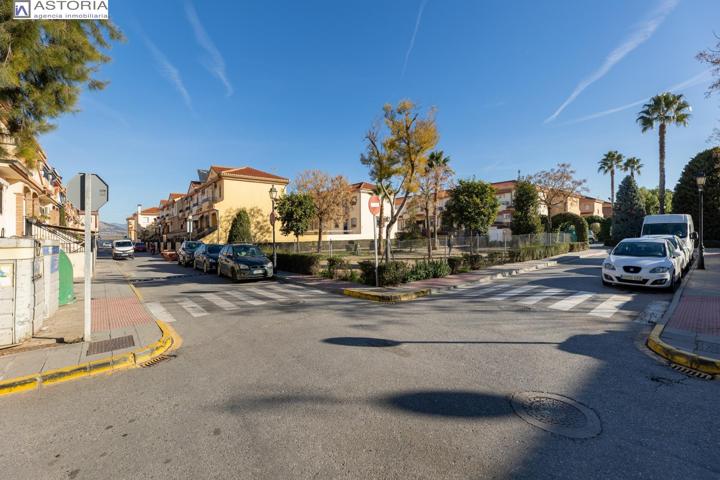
(150, 211)
(174, 196)
(363, 186)
(163, 202)
(253, 172)
(219, 169)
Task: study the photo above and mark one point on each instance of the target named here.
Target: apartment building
(357, 223)
(141, 220)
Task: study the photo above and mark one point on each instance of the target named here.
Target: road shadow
(449, 403)
(385, 342)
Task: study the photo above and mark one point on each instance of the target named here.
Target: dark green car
(242, 261)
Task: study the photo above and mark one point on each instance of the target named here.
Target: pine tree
(526, 219)
(686, 197)
(240, 231)
(629, 211)
(44, 66)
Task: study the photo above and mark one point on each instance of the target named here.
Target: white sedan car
(680, 247)
(648, 262)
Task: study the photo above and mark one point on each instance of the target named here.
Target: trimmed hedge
(425, 269)
(334, 265)
(395, 273)
(305, 263)
(456, 264)
(538, 252)
(581, 226)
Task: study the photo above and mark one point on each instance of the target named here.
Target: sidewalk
(413, 290)
(690, 335)
(122, 332)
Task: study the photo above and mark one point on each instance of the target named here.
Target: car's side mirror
(677, 253)
(694, 235)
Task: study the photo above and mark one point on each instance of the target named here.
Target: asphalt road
(278, 382)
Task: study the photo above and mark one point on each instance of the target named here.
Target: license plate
(632, 277)
(257, 272)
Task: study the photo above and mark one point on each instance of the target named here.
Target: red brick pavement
(698, 314)
(111, 313)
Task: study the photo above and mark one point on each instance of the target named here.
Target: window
(353, 222)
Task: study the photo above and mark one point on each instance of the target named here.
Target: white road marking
(192, 308)
(244, 298)
(160, 312)
(536, 297)
(572, 301)
(608, 308)
(219, 301)
(265, 293)
(512, 292)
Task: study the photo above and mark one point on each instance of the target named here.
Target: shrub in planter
(474, 261)
(389, 273)
(424, 269)
(455, 264)
(308, 264)
(335, 265)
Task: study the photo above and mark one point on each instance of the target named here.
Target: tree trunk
(297, 244)
(435, 219)
(320, 229)
(661, 186)
(380, 221)
(612, 188)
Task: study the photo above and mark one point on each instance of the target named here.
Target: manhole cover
(104, 346)
(556, 414)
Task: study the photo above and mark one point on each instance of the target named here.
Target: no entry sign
(374, 205)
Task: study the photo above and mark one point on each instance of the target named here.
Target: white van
(678, 224)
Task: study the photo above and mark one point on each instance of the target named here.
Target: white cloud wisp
(414, 34)
(215, 63)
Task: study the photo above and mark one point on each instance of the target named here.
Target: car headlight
(244, 267)
(608, 266)
(269, 266)
(660, 270)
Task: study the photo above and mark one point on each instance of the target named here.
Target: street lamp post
(273, 197)
(701, 186)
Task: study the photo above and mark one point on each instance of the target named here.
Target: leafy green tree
(663, 110)
(629, 211)
(686, 198)
(651, 200)
(240, 230)
(472, 206)
(632, 165)
(295, 211)
(611, 162)
(45, 65)
(526, 219)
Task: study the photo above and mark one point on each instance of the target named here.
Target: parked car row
(658, 259)
(237, 261)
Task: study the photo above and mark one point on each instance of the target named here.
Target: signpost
(374, 207)
(87, 192)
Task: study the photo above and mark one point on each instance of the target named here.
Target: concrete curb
(168, 341)
(680, 357)
(387, 297)
(677, 355)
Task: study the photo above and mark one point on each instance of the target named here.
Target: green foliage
(651, 200)
(63, 216)
(605, 235)
(472, 206)
(564, 220)
(425, 269)
(539, 252)
(686, 198)
(525, 219)
(629, 211)
(45, 65)
(456, 264)
(389, 273)
(305, 263)
(411, 232)
(335, 265)
(240, 230)
(474, 261)
(295, 212)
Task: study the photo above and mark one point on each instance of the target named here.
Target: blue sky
(285, 86)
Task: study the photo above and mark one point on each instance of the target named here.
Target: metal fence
(445, 245)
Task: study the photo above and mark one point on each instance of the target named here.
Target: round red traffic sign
(272, 218)
(374, 205)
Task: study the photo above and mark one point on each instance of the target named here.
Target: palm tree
(632, 165)
(663, 110)
(607, 165)
(440, 171)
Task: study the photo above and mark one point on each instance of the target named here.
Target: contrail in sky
(414, 34)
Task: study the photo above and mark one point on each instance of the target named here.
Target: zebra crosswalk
(596, 304)
(234, 299)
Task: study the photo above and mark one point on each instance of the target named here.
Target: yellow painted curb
(681, 357)
(386, 297)
(168, 341)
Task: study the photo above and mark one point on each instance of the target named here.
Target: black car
(244, 261)
(206, 257)
(186, 252)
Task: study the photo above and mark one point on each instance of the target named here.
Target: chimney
(139, 209)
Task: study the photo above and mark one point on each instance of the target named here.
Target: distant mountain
(112, 230)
